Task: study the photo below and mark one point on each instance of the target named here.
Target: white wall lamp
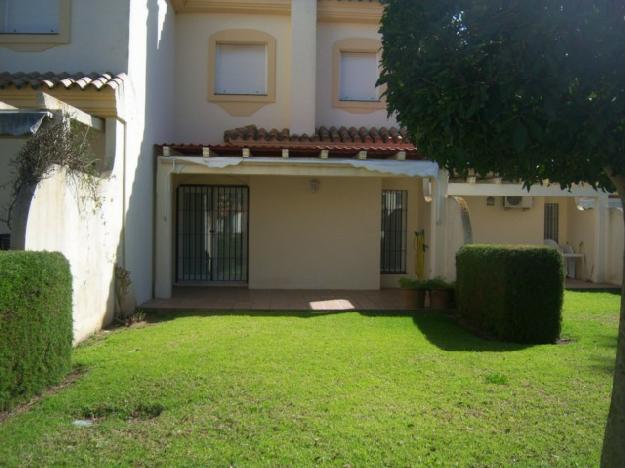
(427, 189)
(584, 203)
(314, 185)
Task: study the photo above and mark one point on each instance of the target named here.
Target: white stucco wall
(196, 119)
(496, 225)
(64, 218)
(98, 42)
(324, 240)
(454, 236)
(327, 114)
(149, 103)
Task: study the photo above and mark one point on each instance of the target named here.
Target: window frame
(217, 66)
(551, 221)
(342, 64)
(230, 101)
(355, 45)
(41, 41)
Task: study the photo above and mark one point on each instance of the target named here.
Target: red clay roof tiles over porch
(377, 142)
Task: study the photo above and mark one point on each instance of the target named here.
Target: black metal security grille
(552, 221)
(5, 241)
(212, 233)
(394, 225)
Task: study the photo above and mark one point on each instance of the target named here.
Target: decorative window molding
(242, 104)
(255, 7)
(36, 42)
(353, 46)
(336, 11)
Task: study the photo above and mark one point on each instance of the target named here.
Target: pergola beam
(47, 102)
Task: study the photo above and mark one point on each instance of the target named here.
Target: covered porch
(309, 218)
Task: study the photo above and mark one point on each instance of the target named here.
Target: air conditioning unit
(524, 203)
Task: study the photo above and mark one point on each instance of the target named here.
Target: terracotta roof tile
(351, 136)
(51, 80)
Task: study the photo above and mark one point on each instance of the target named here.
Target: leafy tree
(528, 89)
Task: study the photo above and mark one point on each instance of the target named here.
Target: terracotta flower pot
(441, 299)
(414, 299)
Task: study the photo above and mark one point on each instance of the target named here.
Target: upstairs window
(241, 69)
(30, 16)
(355, 71)
(358, 75)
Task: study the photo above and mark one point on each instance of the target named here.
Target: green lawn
(341, 389)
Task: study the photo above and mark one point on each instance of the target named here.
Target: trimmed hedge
(514, 292)
(35, 323)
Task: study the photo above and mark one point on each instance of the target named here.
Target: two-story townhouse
(249, 146)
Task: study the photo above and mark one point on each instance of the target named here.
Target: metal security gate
(212, 233)
(394, 230)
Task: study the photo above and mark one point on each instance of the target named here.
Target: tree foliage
(529, 89)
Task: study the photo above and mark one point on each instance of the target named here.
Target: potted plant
(441, 293)
(414, 293)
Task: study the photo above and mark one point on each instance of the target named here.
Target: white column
(164, 231)
(303, 65)
(438, 215)
(601, 239)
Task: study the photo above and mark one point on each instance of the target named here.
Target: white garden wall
(615, 246)
(64, 218)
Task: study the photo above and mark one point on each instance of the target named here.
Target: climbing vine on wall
(60, 142)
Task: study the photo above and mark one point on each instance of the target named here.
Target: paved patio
(239, 298)
(234, 298)
(576, 284)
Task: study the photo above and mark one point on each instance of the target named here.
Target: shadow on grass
(162, 315)
(438, 328)
(616, 291)
(446, 334)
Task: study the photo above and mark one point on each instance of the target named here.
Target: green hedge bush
(35, 323)
(514, 292)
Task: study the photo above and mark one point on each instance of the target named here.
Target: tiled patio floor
(237, 298)
(574, 284)
(233, 298)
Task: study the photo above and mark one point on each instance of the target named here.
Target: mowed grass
(341, 389)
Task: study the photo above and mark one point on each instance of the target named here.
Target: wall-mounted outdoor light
(427, 190)
(314, 185)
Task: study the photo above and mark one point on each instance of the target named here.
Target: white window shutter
(358, 75)
(241, 69)
(30, 16)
